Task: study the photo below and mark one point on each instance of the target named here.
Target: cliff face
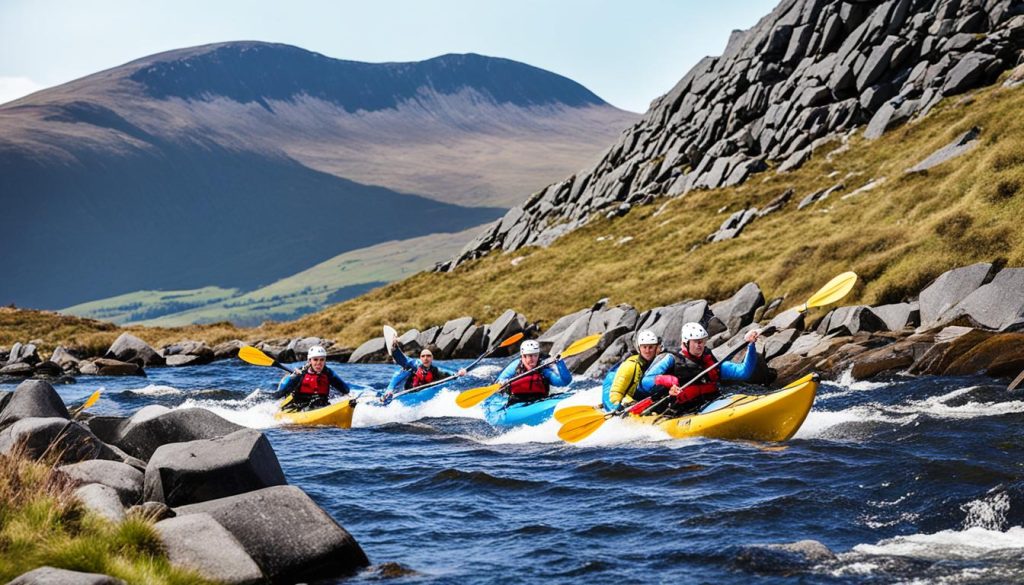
(810, 70)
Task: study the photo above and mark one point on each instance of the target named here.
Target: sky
(628, 53)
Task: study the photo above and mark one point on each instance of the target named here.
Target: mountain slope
(237, 164)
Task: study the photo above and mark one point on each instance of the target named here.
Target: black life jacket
(687, 367)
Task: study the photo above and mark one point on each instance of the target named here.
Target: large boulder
(426, 338)
(141, 438)
(897, 356)
(278, 349)
(777, 344)
(961, 145)
(939, 298)
(200, 543)
(998, 305)
(409, 343)
(898, 316)
(851, 320)
(110, 367)
(227, 349)
(579, 363)
(188, 353)
(667, 322)
(450, 336)
(286, 533)
(52, 576)
(128, 348)
(17, 370)
(64, 440)
(33, 399)
(620, 316)
(788, 319)
(738, 310)
(616, 351)
(197, 471)
(472, 343)
(505, 326)
(371, 351)
(950, 343)
(122, 478)
(23, 353)
(574, 325)
(102, 500)
(999, 355)
(300, 346)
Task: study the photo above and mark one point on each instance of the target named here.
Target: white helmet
(692, 331)
(646, 337)
(317, 351)
(529, 347)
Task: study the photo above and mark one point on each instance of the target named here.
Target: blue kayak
(416, 398)
(606, 389)
(532, 413)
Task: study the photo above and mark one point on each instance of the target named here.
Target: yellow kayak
(769, 417)
(338, 414)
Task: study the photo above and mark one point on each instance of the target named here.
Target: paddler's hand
(387, 397)
(752, 335)
(297, 371)
(674, 391)
(461, 372)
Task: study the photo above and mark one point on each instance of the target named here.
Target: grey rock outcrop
(998, 305)
(23, 353)
(506, 325)
(738, 310)
(372, 350)
(102, 500)
(124, 479)
(285, 533)
(141, 437)
(899, 315)
(66, 441)
(450, 335)
(197, 471)
(941, 296)
(808, 71)
(200, 543)
(52, 576)
(850, 321)
(128, 348)
(961, 145)
(110, 367)
(187, 353)
(33, 399)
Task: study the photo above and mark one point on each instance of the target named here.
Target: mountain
(237, 164)
(807, 73)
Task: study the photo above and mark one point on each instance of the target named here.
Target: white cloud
(12, 88)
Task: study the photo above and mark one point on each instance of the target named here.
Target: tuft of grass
(42, 523)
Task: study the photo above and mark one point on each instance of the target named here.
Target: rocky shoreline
(969, 320)
(214, 489)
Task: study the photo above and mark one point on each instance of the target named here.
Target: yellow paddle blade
(474, 396)
(89, 402)
(581, 345)
(570, 412)
(581, 427)
(836, 289)
(254, 356)
(514, 339)
(287, 400)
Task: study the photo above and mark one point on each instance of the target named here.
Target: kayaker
(415, 372)
(310, 385)
(538, 384)
(625, 384)
(675, 369)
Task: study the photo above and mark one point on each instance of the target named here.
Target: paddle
(390, 335)
(88, 402)
(471, 398)
(250, 354)
(1016, 382)
(511, 340)
(582, 425)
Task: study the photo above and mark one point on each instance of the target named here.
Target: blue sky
(626, 52)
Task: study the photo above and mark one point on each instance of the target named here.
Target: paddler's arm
(620, 383)
(509, 371)
(558, 374)
(743, 371)
(337, 383)
(660, 368)
(288, 384)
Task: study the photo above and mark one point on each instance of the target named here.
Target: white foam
(847, 385)
(251, 411)
(988, 513)
(972, 543)
(155, 390)
(371, 412)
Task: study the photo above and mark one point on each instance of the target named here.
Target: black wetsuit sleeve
(337, 383)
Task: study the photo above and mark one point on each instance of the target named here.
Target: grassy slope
(305, 292)
(897, 237)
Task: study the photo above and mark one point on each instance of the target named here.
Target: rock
(789, 366)
(961, 145)
(52, 576)
(200, 543)
(819, 195)
(950, 343)
(67, 441)
(197, 471)
(152, 511)
(278, 349)
(110, 367)
(788, 319)
(300, 347)
(805, 343)
(784, 559)
(580, 362)
(795, 160)
(339, 354)
(505, 326)
(372, 351)
(177, 361)
(48, 369)
(227, 350)
(33, 399)
(897, 356)
(64, 358)
(128, 348)
(122, 478)
(613, 354)
(851, 320)
(734, 225)
(666, 322)
(778, 344)
(620, 316)
(141, 437)
(23, 353)
(450, 336)
(777, 203)
(998, 305)
(939, 297)
(427, 337)
(968, 72)
(17, 370)
(999, 355)
(102, 500)
(738, 310)
(408, 342)
(187, 353)
(898, 316)
(286, 533)
(472, 343)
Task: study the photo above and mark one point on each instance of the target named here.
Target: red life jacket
(687, 367)
(422, 376)
(534, 385)
(313, 383)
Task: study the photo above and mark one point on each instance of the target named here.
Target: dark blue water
(907, 480)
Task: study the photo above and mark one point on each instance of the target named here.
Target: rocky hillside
(809, 71)
(240, 163)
